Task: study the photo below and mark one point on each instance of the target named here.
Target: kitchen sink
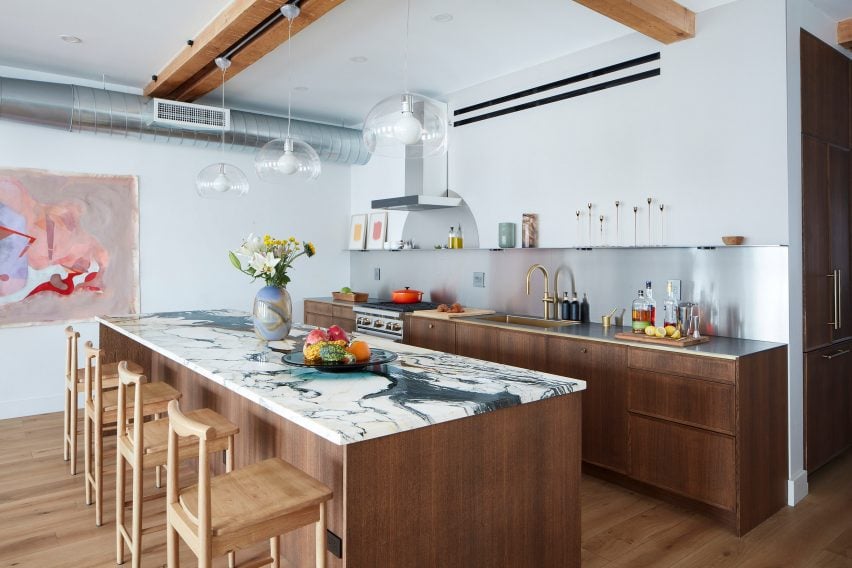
(525, 320)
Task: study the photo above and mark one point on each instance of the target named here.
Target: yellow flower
(310, 249)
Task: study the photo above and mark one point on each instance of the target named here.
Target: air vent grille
(190, 116)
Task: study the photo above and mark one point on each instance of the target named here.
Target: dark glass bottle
(584, 309)
(574, 308)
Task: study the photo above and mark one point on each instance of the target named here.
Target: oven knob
(397, 327)
(364, 321)
(378, 323)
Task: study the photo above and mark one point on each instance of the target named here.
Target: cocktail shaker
(684, 321)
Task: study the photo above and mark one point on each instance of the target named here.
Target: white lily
(250, 246)
(263, 263)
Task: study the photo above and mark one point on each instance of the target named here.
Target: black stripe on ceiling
(561, 97)
(561, 83)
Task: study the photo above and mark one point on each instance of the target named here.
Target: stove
(386, 319)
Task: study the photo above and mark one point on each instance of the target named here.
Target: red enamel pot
(406, 296)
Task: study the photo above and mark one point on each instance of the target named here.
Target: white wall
(183, 241)
(801, 14)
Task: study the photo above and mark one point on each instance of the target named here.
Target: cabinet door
(689, 461)
(433, 334)
(604, 368)
(838, 187)
(825, 91)
(318, 320)
(477, 341)
(816, 245)
(521, 349)
(827, 403)
(344, 317)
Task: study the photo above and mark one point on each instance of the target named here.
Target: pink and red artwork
(68, 246)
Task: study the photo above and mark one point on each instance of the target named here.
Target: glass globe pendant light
(406, 125)
(221, 181)
(288, 157)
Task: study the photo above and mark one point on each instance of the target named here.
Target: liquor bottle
(451, 238)
(640, 314)
(652, 305)
(670, 314)
(584, 309)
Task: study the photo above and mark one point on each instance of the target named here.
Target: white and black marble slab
(420, 388)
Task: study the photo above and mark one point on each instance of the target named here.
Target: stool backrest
(71, 338)
(92, 375)
(128, 378)
(182, 427)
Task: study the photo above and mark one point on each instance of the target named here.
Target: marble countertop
(422, 387)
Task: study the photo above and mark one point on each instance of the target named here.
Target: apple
(335, 333)
(315, 336)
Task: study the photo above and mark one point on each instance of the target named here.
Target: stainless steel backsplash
(742, 291)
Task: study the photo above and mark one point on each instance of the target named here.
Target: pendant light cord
(405, 57)
(223, 114)
(289, 74)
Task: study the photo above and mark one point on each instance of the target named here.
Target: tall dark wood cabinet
(826, 249)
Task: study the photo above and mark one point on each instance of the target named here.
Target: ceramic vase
(272, 313)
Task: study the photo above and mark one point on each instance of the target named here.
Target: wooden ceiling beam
(844, 33)
(663, 20)
(193, 73)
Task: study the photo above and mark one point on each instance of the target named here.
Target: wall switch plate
(479, 280)
(377, 273)
(675, 288)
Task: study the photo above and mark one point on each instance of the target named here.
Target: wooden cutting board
(642, 338)
(447, 315)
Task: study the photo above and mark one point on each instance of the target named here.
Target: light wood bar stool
(235, 510)
(143, 445)
(74, 379)
(101, 408)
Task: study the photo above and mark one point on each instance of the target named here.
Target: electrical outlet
(377, 273)
(675, 288)
(479, 280)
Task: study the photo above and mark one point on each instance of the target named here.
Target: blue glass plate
(377, 357)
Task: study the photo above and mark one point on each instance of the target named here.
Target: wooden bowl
(733, 240)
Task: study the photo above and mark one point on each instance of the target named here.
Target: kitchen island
(434, 459)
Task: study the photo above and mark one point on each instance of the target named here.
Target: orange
(360, 349)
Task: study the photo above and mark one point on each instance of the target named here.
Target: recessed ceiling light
(70, 38)
(300, 88)
(358, 59)
(443, 18)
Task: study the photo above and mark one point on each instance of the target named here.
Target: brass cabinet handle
(431, 325)
(584, 350)
(835, 276)
(838, 353)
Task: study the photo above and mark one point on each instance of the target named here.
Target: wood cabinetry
(826, 248)
(325, 314)
(604, 368)
(704, 431)
(432, 333)
(828, 400)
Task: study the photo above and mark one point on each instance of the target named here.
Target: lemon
(651, 330)
(670, 329)
(676, 334)
(660, 332)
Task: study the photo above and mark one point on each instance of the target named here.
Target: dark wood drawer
(342, 312)
(676, 364)
(691, 462)
(432, 334)
(692, 401)
(322, 308)
(318, 320)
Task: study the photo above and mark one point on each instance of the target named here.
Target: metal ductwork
(83, 109)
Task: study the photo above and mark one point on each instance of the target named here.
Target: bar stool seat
(110, 373)
(155, 400)
(266, 492)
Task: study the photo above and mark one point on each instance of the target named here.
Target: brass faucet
(548, 300)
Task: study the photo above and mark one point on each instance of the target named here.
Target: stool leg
(99, 470)
(320, 527)
(172, 546)
(275, 551)
(87, 455)
(136, 535)
(72, 426)
(157, 475)
(229, 467)
(66, 438)
(120, 471)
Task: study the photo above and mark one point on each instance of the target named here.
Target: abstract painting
(68, 246)
(377, 230)
(358, 232)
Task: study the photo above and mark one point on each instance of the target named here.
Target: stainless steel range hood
(425, 186)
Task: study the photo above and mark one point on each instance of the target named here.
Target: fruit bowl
(377, 357)
(733, 240)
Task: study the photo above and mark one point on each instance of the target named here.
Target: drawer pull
(584, 350)
(836, 354)
(431, 325)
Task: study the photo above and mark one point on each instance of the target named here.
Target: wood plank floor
(44, 521)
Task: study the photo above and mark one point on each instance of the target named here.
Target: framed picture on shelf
(358, 232)
(377, 230)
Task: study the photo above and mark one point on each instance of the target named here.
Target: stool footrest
(257, 563)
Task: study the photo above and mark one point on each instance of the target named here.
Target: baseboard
(797, 488)
(31, 406)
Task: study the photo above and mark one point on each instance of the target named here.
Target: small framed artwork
(358, 232)
(377, 230)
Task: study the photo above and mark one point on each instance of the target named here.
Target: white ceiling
(129, 41)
